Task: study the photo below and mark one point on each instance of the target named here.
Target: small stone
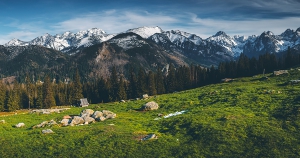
(150, 136)
(150, 106)
(145, 96)
(2, 121)
(47, 131)
(19, 125)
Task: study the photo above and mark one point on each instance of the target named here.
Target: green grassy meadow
(249, 117)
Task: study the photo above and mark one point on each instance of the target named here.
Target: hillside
(249, 117)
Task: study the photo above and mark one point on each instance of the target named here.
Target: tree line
(137, 82)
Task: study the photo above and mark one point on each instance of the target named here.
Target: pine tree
(76, 89)
(29, 90)
(114, 84)
(12, 99)
(160, 86)
(132, 84)
(2, 96)
(121, 94)
(141, 82)
(151, 84)
(171, 79)
(48, 97)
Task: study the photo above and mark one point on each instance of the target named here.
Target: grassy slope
(247, 117)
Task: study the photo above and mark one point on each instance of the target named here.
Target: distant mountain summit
(220, 44)
(95, 52)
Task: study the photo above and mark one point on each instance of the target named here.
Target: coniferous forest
(49, 92)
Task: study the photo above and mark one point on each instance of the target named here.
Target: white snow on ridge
(231, 45)
(179, 37)
(146, 32)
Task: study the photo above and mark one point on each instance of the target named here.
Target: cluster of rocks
(2, 121)
(48, 111)
(150, 106)
(45, 124)
(87, 116)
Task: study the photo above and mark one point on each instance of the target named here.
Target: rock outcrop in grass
(87, 116)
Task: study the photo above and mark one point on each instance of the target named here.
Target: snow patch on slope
(146, 32)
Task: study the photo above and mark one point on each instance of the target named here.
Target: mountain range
(97, 51)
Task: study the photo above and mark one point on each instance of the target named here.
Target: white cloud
(208, 27)
(113, 21)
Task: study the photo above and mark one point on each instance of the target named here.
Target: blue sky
(27, 19)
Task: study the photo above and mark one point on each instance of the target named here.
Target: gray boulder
(65, 122)
(150, 106)
(88, 120)
(97, 114)
(52, 123)
(145, 96)
(108, 114)
(2, 121)
(150, 136)
(47, 131)
(43, 124)
(19, 125)
(86, 112)
(101, 118)
(77, 120)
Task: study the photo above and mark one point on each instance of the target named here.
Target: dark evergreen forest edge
(53, 91)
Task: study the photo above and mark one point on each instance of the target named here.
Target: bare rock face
(47, 131)
(77, 120)
(86, 112)
(19, 125)
(150, 106)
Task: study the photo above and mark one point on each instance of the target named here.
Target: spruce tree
(171, 79)
(142, 82)
(121, 94)
(132, 84)
(160, 86)
(114, 84)
(151, 84)
(2, 96)
(48, 97)
(76, 89)
(29, 91)
(12, 100)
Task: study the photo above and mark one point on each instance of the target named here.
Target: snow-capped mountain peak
(15, 42)
(146, 32)
(268, 33)
(220, 33)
